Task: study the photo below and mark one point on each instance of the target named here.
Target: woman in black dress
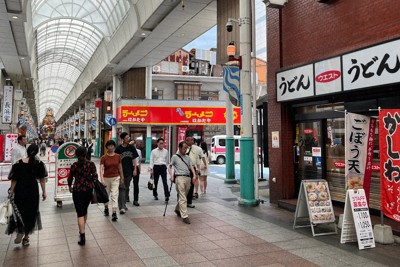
(83, 173)
(25, 191)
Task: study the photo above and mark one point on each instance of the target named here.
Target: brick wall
(313, 31)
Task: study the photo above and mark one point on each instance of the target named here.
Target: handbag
(150, 183)
(100, 192)
(5, 211)
(94, 198)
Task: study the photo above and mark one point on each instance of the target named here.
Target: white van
(218, 148)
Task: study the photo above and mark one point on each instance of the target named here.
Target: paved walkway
(221, 234)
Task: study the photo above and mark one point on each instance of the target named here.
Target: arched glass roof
(68, 32)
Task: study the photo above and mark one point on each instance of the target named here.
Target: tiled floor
(209, 241)
(221, 234)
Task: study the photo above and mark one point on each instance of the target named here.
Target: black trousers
(135, 186)
(160, 170)
(189, 196)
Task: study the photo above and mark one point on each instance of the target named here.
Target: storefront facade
(325, 60)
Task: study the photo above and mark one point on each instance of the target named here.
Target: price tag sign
(362, 219)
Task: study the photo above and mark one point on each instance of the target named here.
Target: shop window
(157, 94)
(209, 95)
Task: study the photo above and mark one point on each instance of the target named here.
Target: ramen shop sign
(175, 115)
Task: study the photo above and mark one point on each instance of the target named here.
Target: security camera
(275, 3)
(229, 26)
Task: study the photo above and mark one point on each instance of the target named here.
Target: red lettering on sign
(339, 164)
(328, 76)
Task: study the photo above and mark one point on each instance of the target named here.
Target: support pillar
(247, 141)
(148, 143)
(87, 118)
(149, 88)
(116, 89)
(230, 144)
(97, 150)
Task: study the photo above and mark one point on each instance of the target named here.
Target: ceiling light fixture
(15, 17)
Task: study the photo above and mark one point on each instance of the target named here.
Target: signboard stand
(314, 204)
(357, 225)
(65, 157)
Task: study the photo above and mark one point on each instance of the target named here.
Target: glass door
(308, 152)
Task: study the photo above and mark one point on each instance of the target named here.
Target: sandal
(25, 241)
(196, 195)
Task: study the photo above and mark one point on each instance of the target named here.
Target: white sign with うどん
(328, 76)
(377, 65)
(295, 83)
(7, 104)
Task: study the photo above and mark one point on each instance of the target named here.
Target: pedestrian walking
(158, 167)
(196, 155)
(83, 173)
(204, 168)
(128, 159)
(25, 192)
(19, 149)
(182, 166)
(135, 178)
(111, 175)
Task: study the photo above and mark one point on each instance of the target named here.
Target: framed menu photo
(319, 201)
(315, 204)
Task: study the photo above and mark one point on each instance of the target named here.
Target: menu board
(319, 201)
(356, 218)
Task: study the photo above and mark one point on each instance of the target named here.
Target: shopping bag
(6, 211)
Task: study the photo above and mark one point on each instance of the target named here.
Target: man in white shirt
(19, 149)
(158, 166)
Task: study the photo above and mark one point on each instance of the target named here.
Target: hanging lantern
(98, 103)
(108, 95)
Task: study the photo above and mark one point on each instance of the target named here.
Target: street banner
(181, 134)
(7, 104)
(389, 147)
(232, 84)
(359, 151)
(11, 141)
(1, 147)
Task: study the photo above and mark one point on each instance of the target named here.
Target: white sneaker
(18, 239)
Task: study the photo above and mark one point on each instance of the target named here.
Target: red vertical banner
(389, 147)
(166, 137)
(181, 134)
(1, 148)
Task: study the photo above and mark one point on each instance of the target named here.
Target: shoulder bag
(190, 170)
(99, 193)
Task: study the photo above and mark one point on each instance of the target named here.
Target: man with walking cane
(182, 167)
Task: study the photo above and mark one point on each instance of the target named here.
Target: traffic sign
(113, 121)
